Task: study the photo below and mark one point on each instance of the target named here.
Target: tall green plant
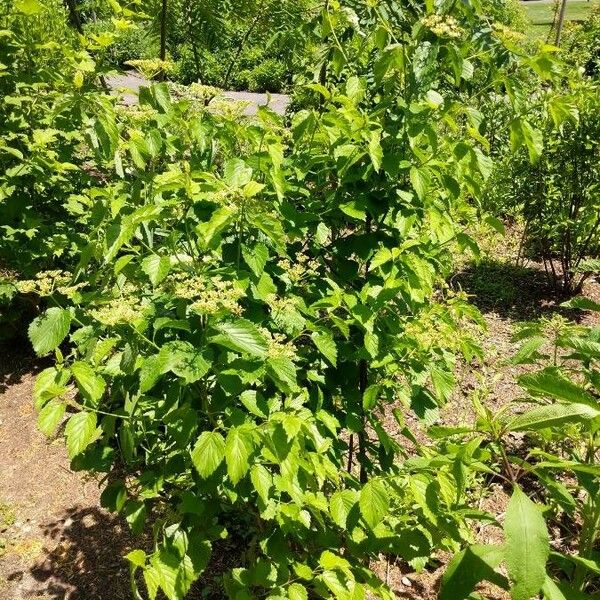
(248, 301)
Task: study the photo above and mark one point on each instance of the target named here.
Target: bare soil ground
(56, 543)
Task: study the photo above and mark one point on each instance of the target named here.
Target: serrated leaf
(421, 180)
(166, 565)
(80, 432)
(256, 258)
(296, 591)
(443, 383)
(208, 453)
(241, 336)
(326, 346)
(156, 267)
(50, 417)
(47, 331)
(236, 173)
(552, 415)
(136, 558)
(373, 502)
(238, 447)
(340, 505)
(468, 568)
(209, 231)
(371, 396)
(527, 546)
(135, 515)
(283, 372)
(90, 385)
(184, 360)
(262, 481)
(528, 352)
(549, 384)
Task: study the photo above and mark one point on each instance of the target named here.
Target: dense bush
(557, 194)
(241, 306)
(581, 42)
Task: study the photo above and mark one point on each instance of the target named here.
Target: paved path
(131, 82)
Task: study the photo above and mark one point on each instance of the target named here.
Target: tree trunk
(560, 22)
(163, 31)
(74, 16)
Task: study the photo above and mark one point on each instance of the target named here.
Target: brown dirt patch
(55, 540)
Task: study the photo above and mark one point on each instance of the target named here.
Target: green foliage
(558, 461)
(241, 303)
(555, 185)
(581, 43)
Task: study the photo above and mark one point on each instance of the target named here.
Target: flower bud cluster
(118, 311)
(48, 282)
(304, 266)
(278, 347)
(443, 26)
(208, 297)
(506, 33)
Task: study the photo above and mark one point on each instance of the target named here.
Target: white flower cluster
(120, 310)
(302, 267)
(443, 26)
(48, 282)
(278, 347)
(208, 296)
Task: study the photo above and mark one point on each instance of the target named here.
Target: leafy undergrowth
(71, 544)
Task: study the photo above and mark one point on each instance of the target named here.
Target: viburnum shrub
(252, 300)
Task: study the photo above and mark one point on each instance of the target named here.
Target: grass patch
(541, 15)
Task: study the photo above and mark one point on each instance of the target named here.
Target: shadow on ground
(85, 561)
(17, 361)
(511, 291)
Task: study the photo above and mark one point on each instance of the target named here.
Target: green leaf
(527, 546)
(50, 417)
(236, 173)
(28, 7)
(90, 385)
(552, 415)
(166, 565)
(551, 591)
(241, 336)
(528, 352)
(137, 558)
(381, 257)
(373, 502)
(582, 303)
(548, 383)
(184, 360)
(421, 180)
(156, 267)
(282, 371)
(47, 331)
(208, 453)
(534, 140)
(262, 481)
(238, 447)
(371, 396)
(135, 515)
(443, 383)
(326, 346)
(296, 591)
(340, 505)
(467, 568)
(256, 258)
(209, 231)
(80, 432)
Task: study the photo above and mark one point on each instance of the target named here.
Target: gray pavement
(129, 83)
